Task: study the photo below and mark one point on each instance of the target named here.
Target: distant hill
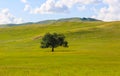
(74, 19)
(77, 19)
(46, 21)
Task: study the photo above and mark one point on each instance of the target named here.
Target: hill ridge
(72, 19)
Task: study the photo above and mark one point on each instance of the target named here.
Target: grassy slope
(93, 50)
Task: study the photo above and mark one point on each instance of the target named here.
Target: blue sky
(20, 11)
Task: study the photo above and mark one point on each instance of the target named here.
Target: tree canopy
(53, 40)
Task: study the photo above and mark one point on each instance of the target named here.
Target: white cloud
(50, 6)
(111, 12)
(71, 3)
(27, 7)
(24, 1)
(60, 6)
(7, 18)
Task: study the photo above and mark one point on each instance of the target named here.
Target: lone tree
(53, 40)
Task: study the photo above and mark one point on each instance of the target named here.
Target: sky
(21, 11)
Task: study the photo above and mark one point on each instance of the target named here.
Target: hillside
(80, 32)
(94, 50)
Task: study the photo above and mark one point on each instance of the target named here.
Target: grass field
(94, 50)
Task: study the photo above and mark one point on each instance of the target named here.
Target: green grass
(94, 50)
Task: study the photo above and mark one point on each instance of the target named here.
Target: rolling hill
(78, 31)
(94, 50)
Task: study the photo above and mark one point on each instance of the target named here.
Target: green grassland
(94, 50)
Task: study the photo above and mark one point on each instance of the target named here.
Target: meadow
(94, 50)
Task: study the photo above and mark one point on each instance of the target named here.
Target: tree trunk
(52, 49)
